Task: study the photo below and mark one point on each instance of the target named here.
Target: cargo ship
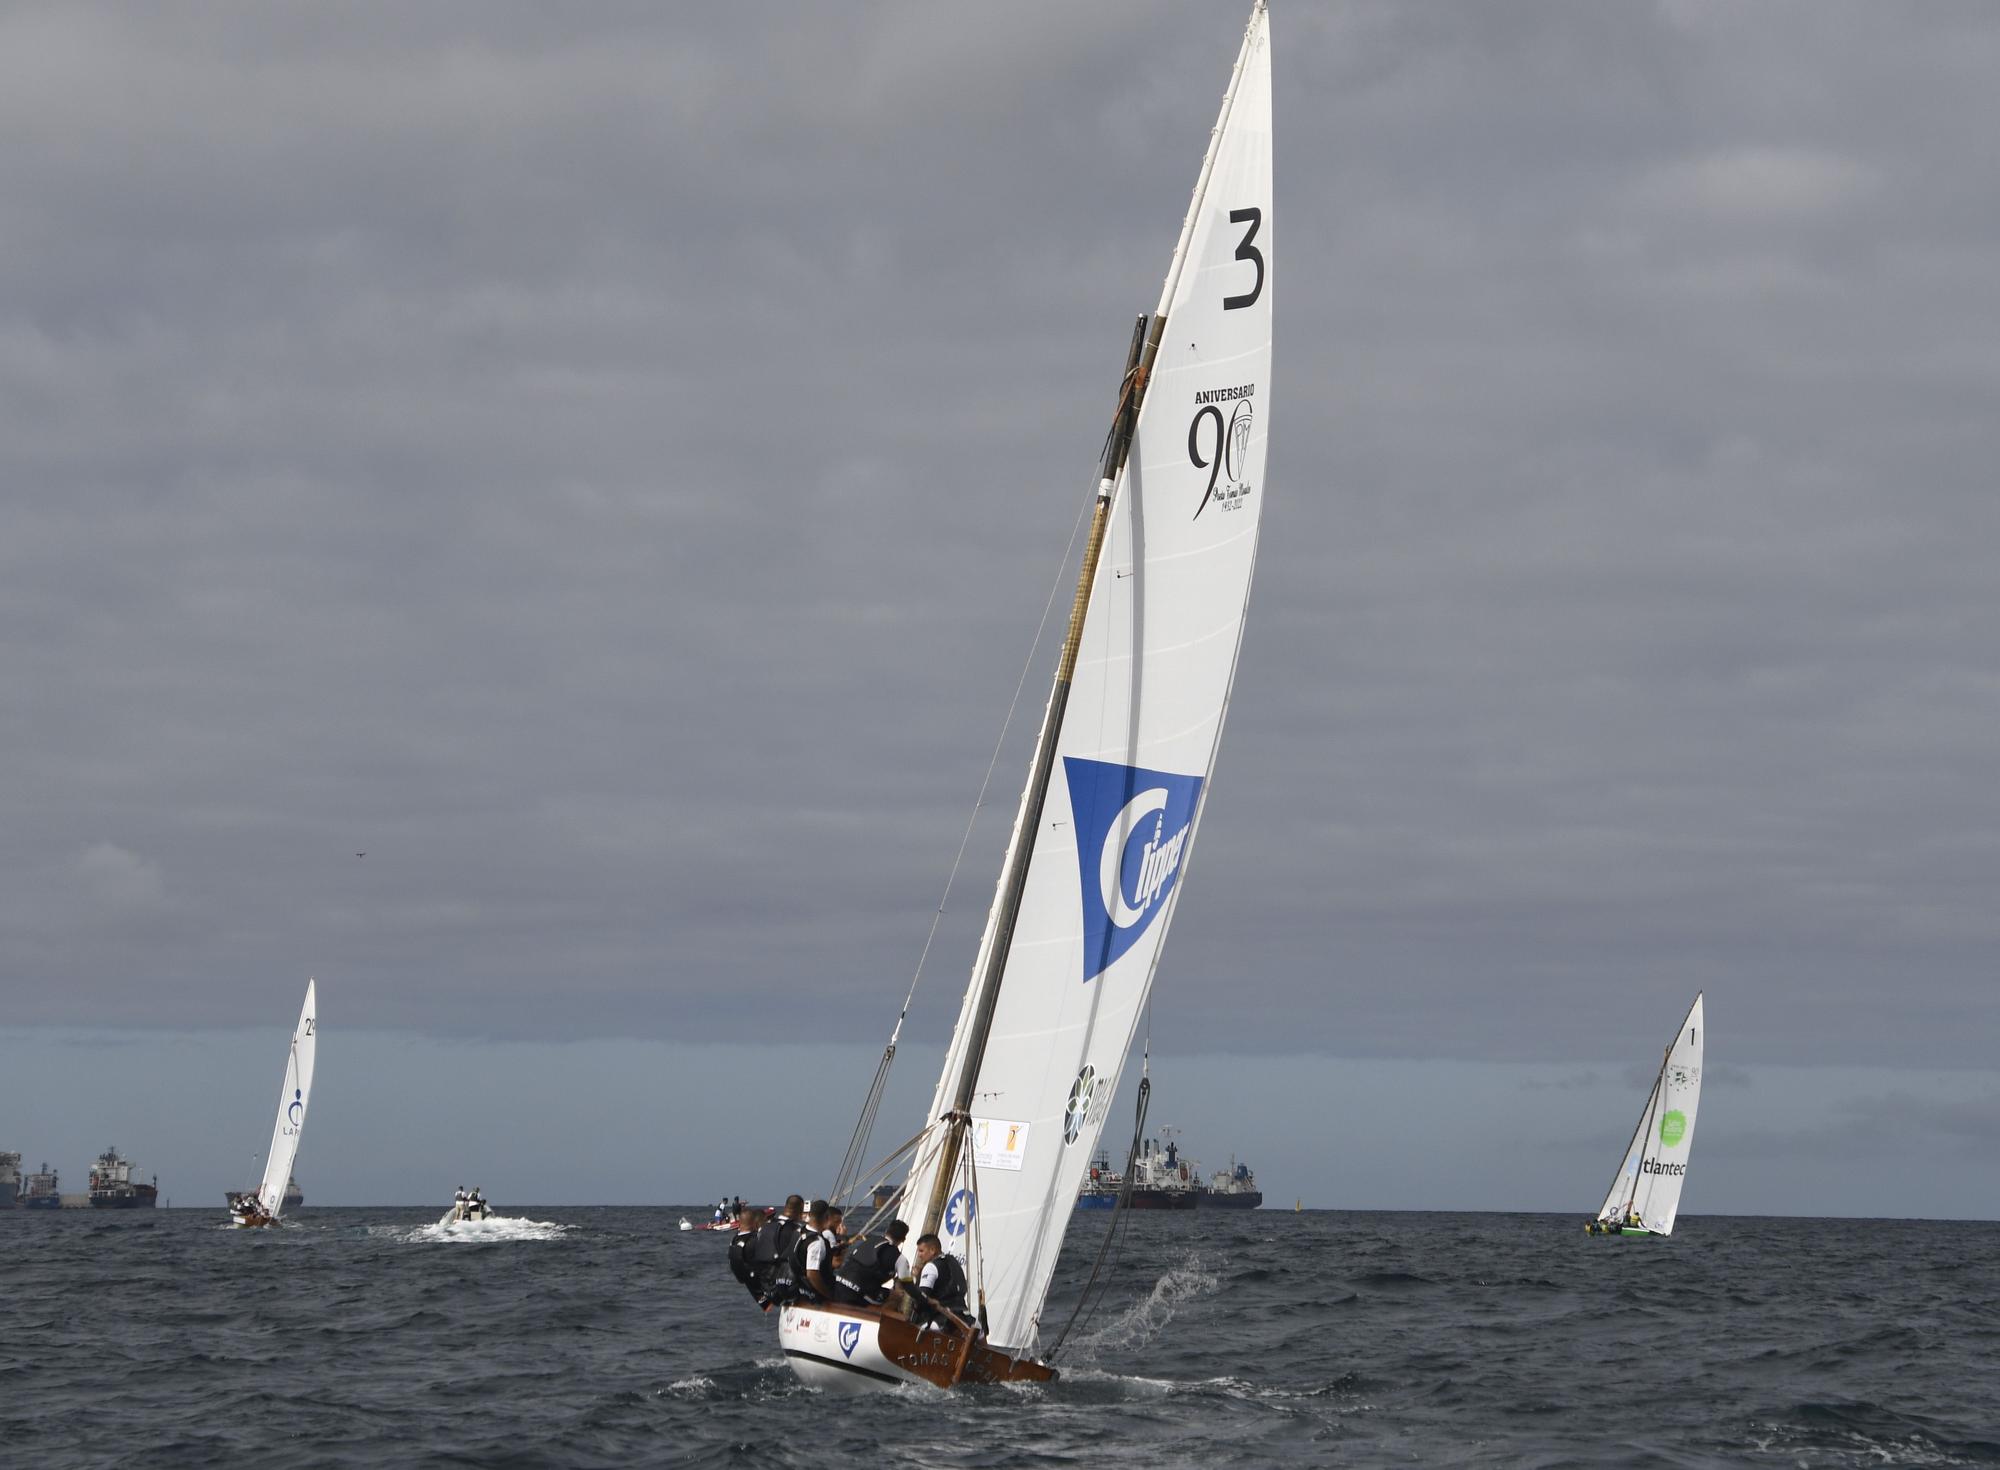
(41, 1190)
(1161, 1179)
(294, 1196)
(10, 1180)
(1234, 1188)
(112, 1186)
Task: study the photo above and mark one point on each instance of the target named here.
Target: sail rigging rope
(864, 1126)
(879, 1173)
(1114, 1230)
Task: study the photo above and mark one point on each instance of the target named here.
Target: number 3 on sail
(1106, 825)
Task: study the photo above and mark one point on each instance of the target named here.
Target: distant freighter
(1163, 1180)
(10, 1180)
(112, 1186)
(42, 1191)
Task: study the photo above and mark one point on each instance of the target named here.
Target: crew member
(865, 1271)
(771, 1255)
(940, 1284)
(741, 1247)
(814, 1252)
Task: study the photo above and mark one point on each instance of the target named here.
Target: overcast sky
(607, 464)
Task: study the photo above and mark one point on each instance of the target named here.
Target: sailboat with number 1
(1645, 1194)
(1116, 789)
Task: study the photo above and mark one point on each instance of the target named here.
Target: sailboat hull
(849, 1349)
(246, 1214)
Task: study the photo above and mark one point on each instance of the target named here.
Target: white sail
(1137, 744)
(1649, 1182)
(293, 1099)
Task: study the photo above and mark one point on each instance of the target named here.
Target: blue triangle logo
(1133, 827)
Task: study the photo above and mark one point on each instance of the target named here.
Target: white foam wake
(1142, 1321)
(494, 1229)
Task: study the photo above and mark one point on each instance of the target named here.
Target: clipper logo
(850, 1338)
(1078, 1111)
(296, 1112)
(1132, 832)
(958, 1213)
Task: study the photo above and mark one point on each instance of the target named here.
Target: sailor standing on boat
(771, 1256)
(742, 1249)
(814, 1254)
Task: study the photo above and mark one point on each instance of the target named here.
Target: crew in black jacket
(749, 1219)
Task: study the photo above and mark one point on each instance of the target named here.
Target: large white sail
(1136, 747)
(293, 1099)
(1649, 1181)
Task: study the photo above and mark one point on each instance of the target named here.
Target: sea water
(609, 1337)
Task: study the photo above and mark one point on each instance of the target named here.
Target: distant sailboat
(1645, 1194)
(1115, 792)
(268, 1202)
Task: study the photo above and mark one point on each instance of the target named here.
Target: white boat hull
(830, 1350)
(853, 1349)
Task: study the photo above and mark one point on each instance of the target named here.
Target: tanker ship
(42, 1190)
(1234, 1188)
(1161, 1179)
(112, 1186)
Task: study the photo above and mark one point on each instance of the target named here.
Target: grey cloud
(607, 465)
(1566, 1082)
(1895, 1124)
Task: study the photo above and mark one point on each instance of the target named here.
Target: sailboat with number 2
(263, 1205)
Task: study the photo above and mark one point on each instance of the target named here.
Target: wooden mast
(1646, 1130)
(1139, 366)
(1138, 363)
